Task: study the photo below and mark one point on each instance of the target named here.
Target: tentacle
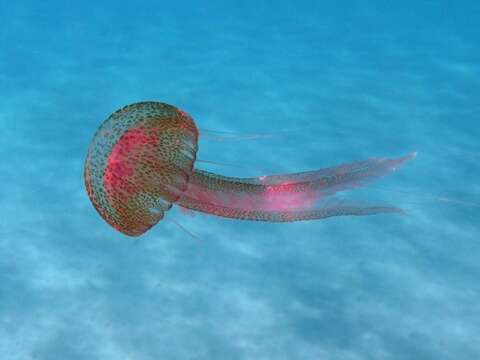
(288, 197)
(282, 215)
(289, 192)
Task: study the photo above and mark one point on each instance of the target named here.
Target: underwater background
(320, 83)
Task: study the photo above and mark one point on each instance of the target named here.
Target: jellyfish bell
(139, 163)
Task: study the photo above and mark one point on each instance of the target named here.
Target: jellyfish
(141, 161)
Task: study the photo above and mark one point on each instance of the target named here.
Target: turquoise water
(328, 83)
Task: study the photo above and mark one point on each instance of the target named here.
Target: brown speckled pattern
(138, 163)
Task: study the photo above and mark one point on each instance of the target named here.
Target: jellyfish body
(141, 161)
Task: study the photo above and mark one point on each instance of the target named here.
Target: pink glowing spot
(283, 197)
(122, 161)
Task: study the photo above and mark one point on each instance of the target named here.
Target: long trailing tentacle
(289, 197)
(283, 215)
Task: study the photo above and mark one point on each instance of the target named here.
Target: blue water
(330, 83)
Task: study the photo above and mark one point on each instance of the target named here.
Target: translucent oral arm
(288, 197)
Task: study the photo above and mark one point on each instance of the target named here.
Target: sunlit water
(325, 84)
